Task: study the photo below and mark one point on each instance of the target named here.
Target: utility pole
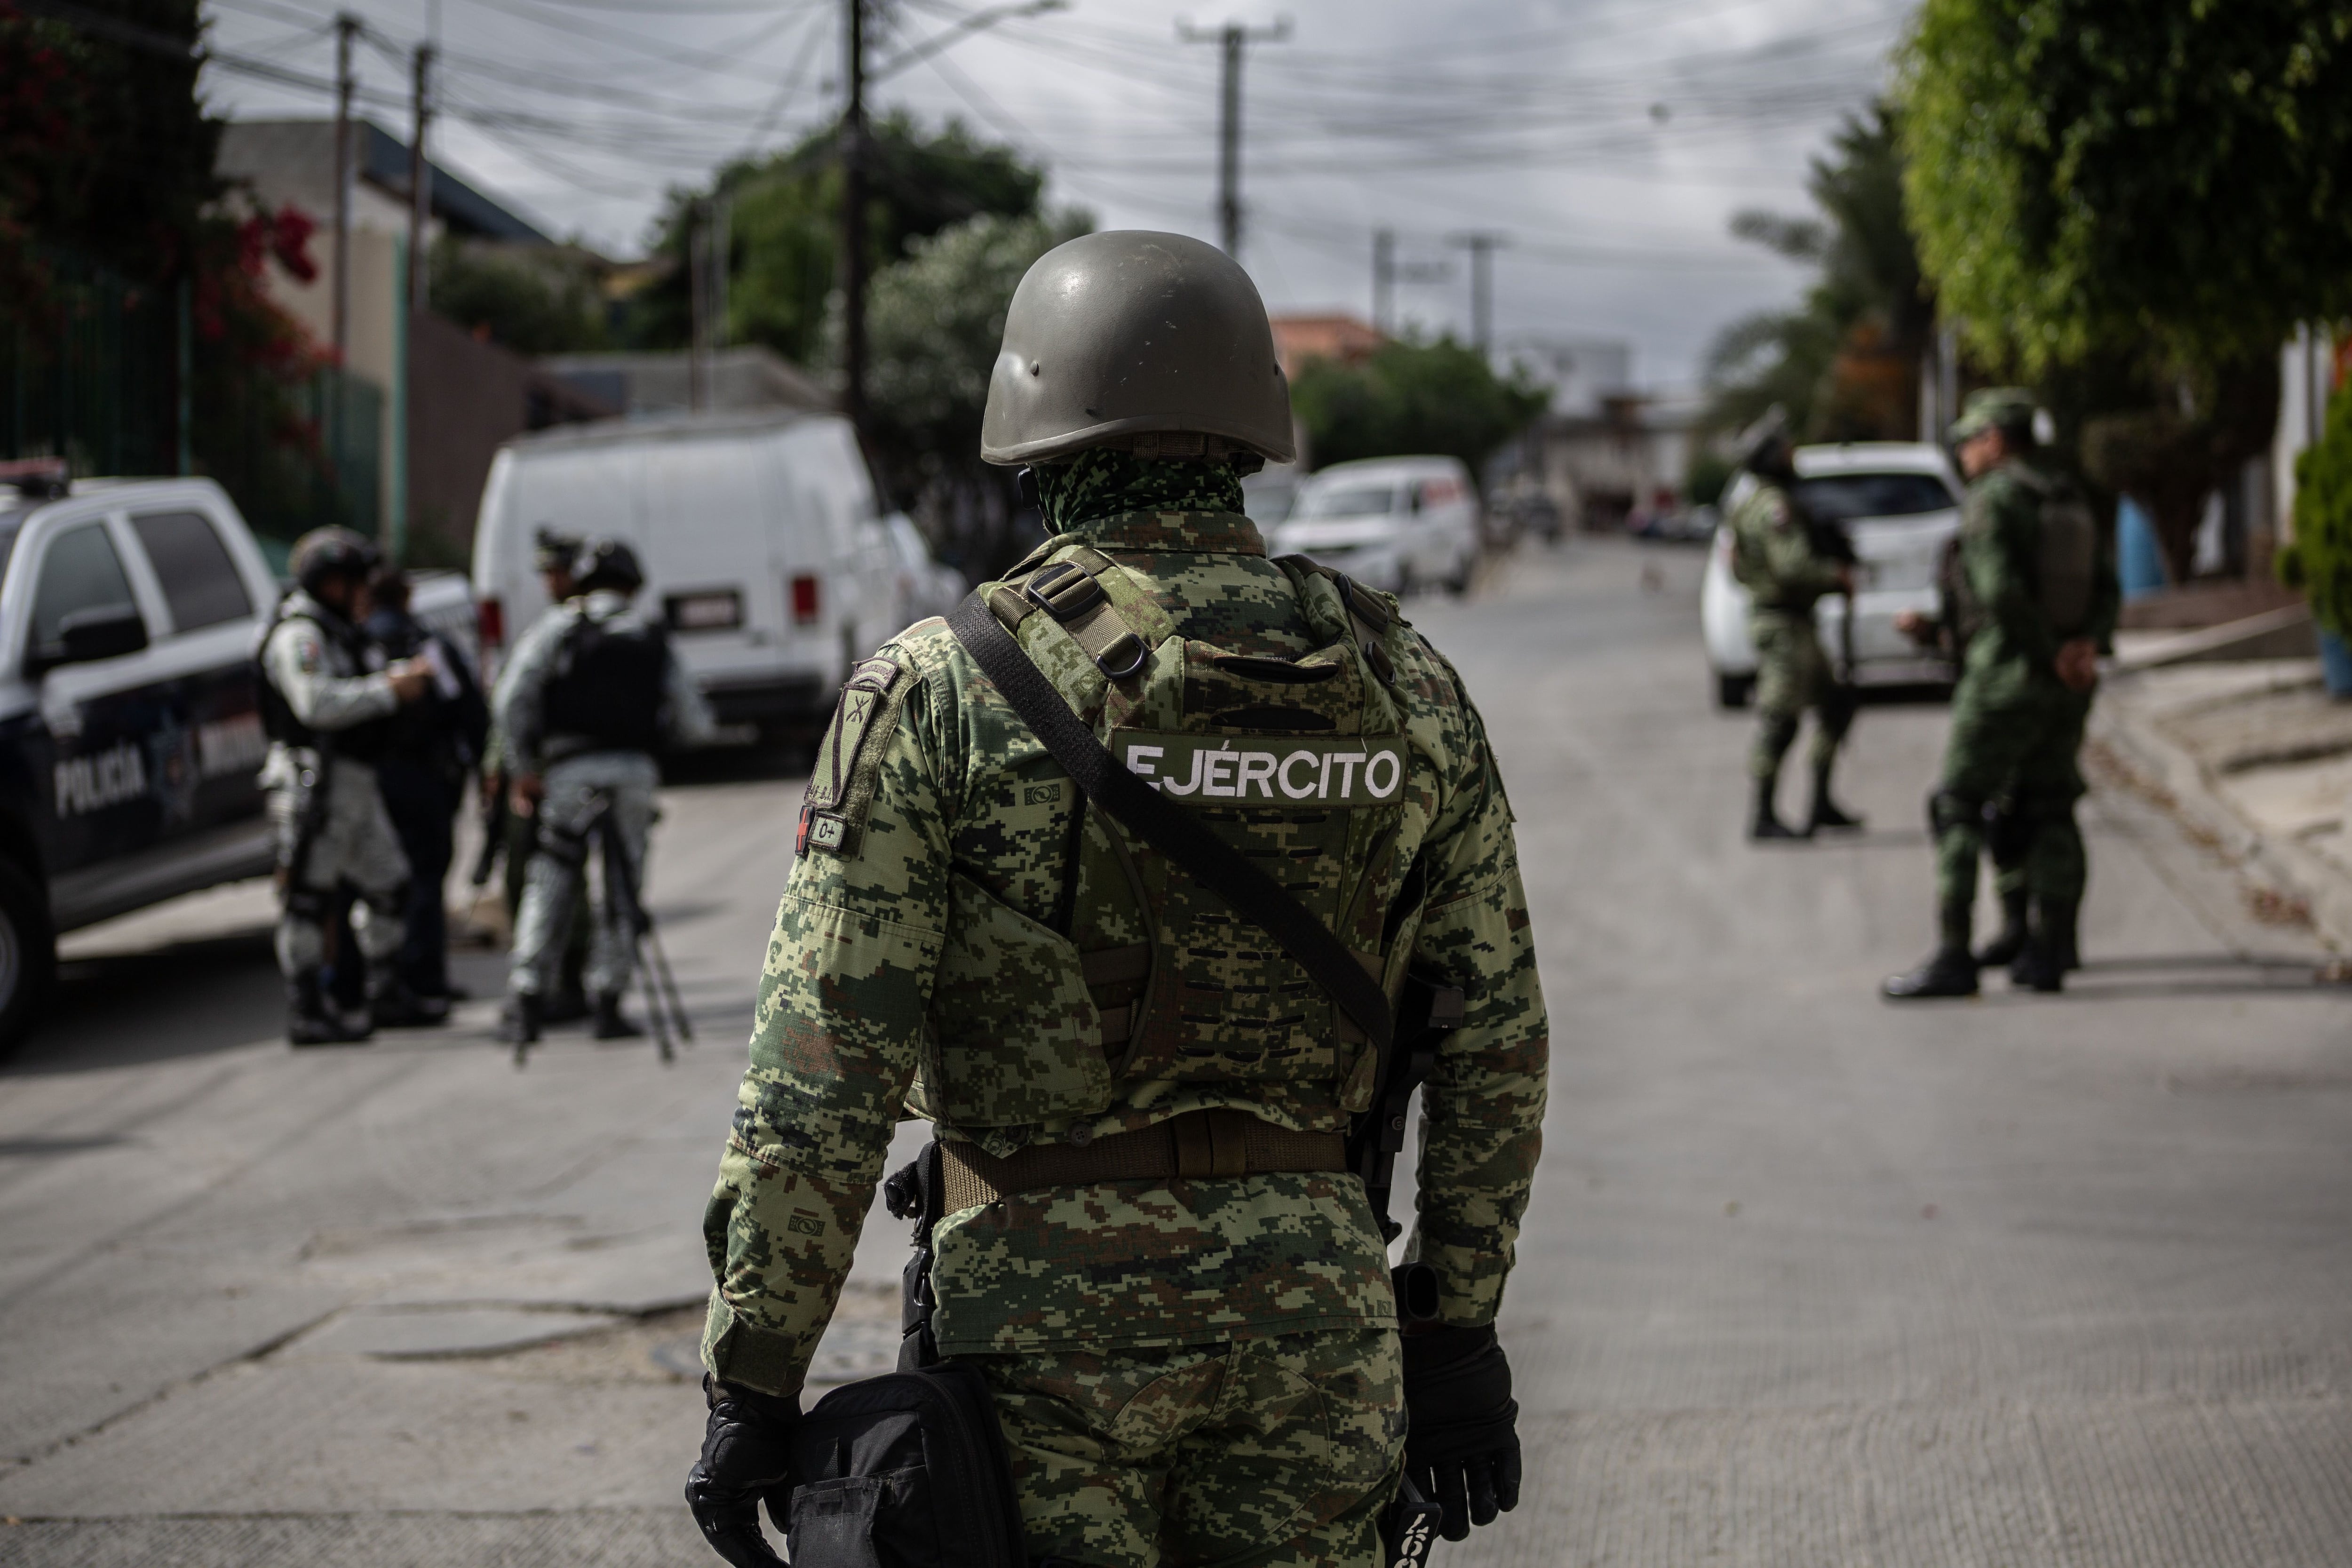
(420, 182)
(1232, 38)
(698, 302)
(852, 224)
(1482, 244)
(1383, 280)
(347, 28)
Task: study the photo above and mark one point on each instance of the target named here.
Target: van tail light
(490, 623)
(805, 600)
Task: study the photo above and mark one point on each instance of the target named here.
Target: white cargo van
(763, 548)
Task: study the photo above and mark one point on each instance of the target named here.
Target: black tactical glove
(746, 1453)
(1460, 1444)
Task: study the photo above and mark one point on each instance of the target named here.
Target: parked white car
(764, 549)
(926, 588)
(1389, 523)
(1899, 502)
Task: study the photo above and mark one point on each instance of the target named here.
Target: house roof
(295, 160)
(1333, 336)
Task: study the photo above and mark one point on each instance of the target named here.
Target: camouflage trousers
(578, 790)
(349, 841)
(2011, 759)
(1793, 674)
(1245, 1452)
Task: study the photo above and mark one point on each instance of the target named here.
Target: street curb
(2185, 788)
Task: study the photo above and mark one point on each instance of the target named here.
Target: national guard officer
(1150, 1250)
(1788, 562)
(2043, 581)
(590, 693)
(328, 720)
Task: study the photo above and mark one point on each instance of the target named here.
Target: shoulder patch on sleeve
(841, 785)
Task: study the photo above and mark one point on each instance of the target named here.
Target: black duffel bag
(907, 1470)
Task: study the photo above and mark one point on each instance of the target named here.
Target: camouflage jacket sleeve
(1482, 1127)
(1998, 536)
(301, 666)
(515, 704)
(1785, 545)
(835, 1042)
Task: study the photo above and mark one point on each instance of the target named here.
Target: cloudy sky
(1608, 140)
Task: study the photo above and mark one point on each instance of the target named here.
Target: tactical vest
(2066, 555)
(366, 742)
(1141, 974)
(605, 689)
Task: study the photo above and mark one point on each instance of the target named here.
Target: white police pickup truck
(130, 725)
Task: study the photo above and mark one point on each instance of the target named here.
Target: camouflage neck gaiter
(1104, 482)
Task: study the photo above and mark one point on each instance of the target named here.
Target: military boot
(1827, 813)
(309, 1021)
(2005, 947)
(518, 1021)
(610, 1023)
(1950, 972)
(1767, 823)
(2042, 964)
(398, 1006)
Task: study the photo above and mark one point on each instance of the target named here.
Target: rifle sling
(1183, 838)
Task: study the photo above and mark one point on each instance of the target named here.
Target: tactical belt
(1194, 1144)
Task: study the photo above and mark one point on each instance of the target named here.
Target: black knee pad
(393, 903)
(2009, 831)
(312, 904)
(2039, 810)
(1947, 810)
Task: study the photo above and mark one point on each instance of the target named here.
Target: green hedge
(2319, 560)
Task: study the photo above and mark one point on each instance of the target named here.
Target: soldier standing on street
(328, 721)
(553, 556)
(2044, 588)
(1787, 564)
(1151, 1250)
(590, 693)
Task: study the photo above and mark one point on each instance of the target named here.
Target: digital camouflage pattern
(969, 961)
(1774, 556)
(1103, 481)
(2016, 729)
(1249, 1453)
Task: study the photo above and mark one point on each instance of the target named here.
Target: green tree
(1409, 398)
(1845, 361)
(2165, 186)
(933, 325)
(535, 300)
(785, 225)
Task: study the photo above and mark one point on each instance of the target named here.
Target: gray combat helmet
(1151, 342)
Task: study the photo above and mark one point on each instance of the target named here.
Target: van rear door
(703, 510)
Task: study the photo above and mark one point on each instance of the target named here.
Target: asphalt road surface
(1808, 1280)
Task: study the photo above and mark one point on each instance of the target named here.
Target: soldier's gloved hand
(746, 1453)
(1462, 1441)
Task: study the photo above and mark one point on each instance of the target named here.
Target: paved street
(1808, 1280)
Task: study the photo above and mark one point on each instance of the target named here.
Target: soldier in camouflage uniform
(2043, 582)
(1179, 1299)
(1779, 557)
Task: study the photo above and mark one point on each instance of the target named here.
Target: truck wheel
(28, 955)
(1732, 690)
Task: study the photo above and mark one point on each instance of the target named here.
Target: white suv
(1899, 502)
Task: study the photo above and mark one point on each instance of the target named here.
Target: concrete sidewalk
(2255, 759)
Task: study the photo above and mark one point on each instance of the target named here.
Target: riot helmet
(328, 553)
(1155, 343)
(552, 551)
(607, 564)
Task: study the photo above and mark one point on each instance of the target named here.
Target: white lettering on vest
(1257, 768)
(1219, 765)
(1299, 791)
(1346, 761)
(1139, 764)
(1371, 774)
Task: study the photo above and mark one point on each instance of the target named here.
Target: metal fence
(110, 375)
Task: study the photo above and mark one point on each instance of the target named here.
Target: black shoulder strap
(1175, 833)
